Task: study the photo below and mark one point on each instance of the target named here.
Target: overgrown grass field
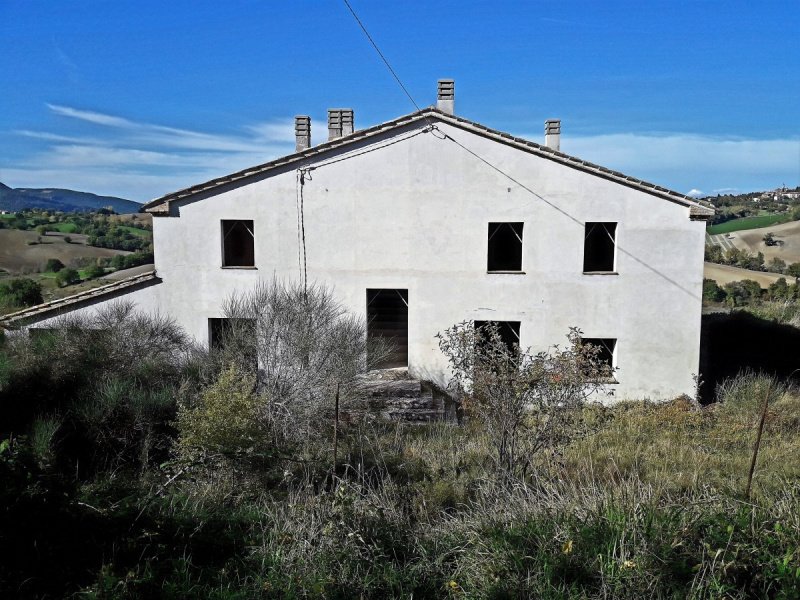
(139, 466)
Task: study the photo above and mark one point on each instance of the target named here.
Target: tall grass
(649, 505)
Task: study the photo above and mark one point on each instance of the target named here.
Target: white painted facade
(413, 214)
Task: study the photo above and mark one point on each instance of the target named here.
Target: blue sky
(141, 98)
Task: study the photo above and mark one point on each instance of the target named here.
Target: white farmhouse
(431, 219)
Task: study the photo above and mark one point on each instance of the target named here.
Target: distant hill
(14, 199)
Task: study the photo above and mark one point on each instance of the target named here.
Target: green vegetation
(53, 265)
(140, 466)
(19, 293)
(102, 229)
(67, 277)
(749, 223)
(744, 260)
(748, 292)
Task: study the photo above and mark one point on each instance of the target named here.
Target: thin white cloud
(90, 116)
(688, 162)
(140, 160)
(695, 193)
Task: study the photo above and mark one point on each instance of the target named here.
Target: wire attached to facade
(444, 136)
(301, 231)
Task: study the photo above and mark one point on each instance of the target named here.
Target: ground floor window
(607, 350)
(508, 330)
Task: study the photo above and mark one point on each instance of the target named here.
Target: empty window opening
(505, 247)
(605, 352)
(238, 244)
(599, 248)
(234, 335)
(508, 330)
(387, 321)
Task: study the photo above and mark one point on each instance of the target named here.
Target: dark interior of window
(508, 330)
(606, 346)
(233, 333)
(505, 247)
(387, 319)
(238, 244)
(599, 247)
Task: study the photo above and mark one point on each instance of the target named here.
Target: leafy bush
(525, 401)
(227, 418)
(53, 265)
(21, 292)
(67, 277)
(712, 292)
(95, 271)
(112, 378)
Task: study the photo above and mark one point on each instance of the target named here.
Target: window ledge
(505, 272)
(600, 273)
(253, 268)
(605, 381)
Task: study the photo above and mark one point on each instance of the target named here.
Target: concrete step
(416, 415)
(424, 400)
(400, 388)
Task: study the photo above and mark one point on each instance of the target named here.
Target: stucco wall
(414, 215)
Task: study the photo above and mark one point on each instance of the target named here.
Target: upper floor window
(238, 244)
(599, 248)
(505, 248)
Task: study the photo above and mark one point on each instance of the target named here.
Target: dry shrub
(526, 402)
(299, 345)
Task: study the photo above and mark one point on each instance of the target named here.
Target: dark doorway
(387, 319)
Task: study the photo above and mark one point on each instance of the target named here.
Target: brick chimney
(446, 96)
(302, 132)
(340, 122)
(552, 134)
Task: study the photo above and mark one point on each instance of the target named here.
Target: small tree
(712, 292)
(793, 270)
(777, 265)
(21, 292)
(67, 277)
(524, 401)
(53, 265)
(95, 271)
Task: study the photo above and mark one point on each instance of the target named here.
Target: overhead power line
(378, 50)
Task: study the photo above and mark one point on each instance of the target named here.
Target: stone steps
(390, 394)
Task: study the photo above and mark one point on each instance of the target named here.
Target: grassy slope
(748, 223)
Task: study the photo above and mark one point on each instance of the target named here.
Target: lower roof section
(54, 308)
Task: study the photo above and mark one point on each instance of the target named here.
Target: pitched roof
(56, 307)
(160, 206)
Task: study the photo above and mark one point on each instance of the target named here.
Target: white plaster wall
(414, 215)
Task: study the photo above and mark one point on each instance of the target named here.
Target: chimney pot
(446, 96)
(302, 132)
(334, 123)
(552, 134)
(340, 122)
(348, 121)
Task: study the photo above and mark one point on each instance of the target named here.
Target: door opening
(387, 318)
